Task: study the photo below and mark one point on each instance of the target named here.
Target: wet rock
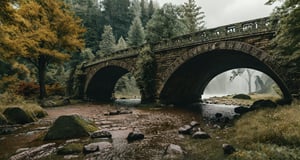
(194, 123)
(116, 112)
(228, 149)
(241, 96)
(17, 115)
(173, 152)
(97, 147)
(55, 101)
(71, 156)
(101, 134)
(135, 135)
(186, 129)
(70, 127)
(106, 113)
(22, 150)
(125, 112)
(201, 135)
(194, 130)
(241, 110)
(35, 152)
(263, 104)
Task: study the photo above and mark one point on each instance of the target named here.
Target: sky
(223, 12)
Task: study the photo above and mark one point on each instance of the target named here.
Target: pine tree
(121, 44)
(108, 43)
(151, 9)
(165, 24)
(43, 32)
(144, 13)
(193, 16)
(136, 35)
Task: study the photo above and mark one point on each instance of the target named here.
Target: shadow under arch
(189, 80)
(101, 85)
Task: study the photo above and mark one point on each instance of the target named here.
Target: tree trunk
(42, 75)
(249, 80)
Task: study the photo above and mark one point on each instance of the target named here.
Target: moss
(241, 96)
(72, 148)
(17, 115)
(68, 127)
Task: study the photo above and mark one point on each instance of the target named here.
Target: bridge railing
(231, 31)
(251, 27)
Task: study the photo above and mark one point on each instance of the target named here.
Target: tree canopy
(43, 32)
(287, 41)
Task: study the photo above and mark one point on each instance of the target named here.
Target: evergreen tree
(286, 44)
(44, 32)
(116, 13)
(151, 9)
(144, 13)
(108, 43)
(136, 8)
(136, 35)
(165, 24)
(193, 16)
(121, 44)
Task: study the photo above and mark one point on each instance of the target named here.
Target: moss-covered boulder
(69, 127)
(16, 115)
(3, 120)
(241, 96)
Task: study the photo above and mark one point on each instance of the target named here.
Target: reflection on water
(208, 110)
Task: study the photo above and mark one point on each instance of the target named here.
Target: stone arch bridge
(187, 63)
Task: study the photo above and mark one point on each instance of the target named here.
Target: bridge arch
(102, 78)
(186, 78)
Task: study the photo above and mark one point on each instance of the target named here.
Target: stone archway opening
(242, 81)
(126, 88)
(102, 84)
(188, 82)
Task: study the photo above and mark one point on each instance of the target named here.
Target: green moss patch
(69, 127)
(17, 115)
(72, 148)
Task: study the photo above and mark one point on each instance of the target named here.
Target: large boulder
(70, 127)
(16, 115)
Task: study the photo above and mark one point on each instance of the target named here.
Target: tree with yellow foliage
(42, 32)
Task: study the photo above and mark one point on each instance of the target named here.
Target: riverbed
(158, 124)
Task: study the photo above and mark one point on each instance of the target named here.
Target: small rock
(72, 140)
(186, 129)
(241, 110)
(173, 152)
(218, 115)
(135, 135)
(106, 123)
(41, 128)
(241, 96)
(36, 152)
(125, 112)
(101, 134)
(106, 113)
(201, 135)
(71, 156)
(116, 112)
(99, 146)
(194, 123)
(21, 150)
(228, 149)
